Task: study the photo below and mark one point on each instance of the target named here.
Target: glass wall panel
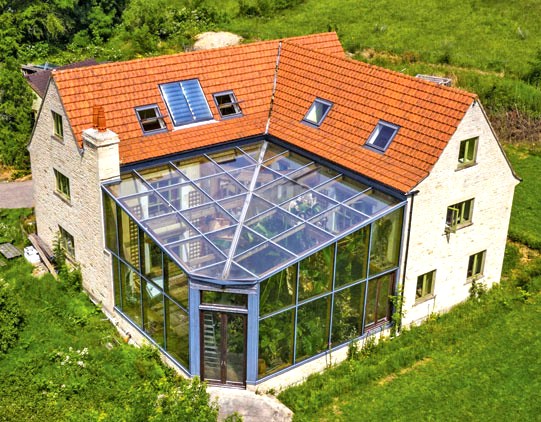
(151, 257)
(110, 217)
(385, 245)
(316, 273)
(175, 282)
(116, 282)
(313, 323)
(129, 239)
(221, 298)
(177, 329)
(131, 293)
(347, 322)
(153, 316)
(276, 343)
(378, 304)
(352, 257)
(278, 291)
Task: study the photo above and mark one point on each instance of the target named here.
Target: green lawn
(494, 35)
(526, 216)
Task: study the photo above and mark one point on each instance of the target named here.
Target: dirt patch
(391, 377)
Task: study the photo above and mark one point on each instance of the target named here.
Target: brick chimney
(101, 144)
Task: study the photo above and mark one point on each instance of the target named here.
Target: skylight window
(186, 102)
(227, 104)
(150, 119)
(382, 136)
(317, 112)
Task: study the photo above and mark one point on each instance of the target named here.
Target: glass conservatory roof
(245, 212)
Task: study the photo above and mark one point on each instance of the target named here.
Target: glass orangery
(245, 261)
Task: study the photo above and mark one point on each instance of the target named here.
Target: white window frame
(159, 118)
(233, 102)
(314, 121)
(376, 132)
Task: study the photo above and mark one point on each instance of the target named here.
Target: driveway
(16, 194)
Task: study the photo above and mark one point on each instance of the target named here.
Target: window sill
(424, 299)
(63, 197)
(466, 166)
(473, 278)
(57, 139)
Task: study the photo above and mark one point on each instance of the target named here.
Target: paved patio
(16, 194)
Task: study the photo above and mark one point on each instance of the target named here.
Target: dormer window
(317, 112)
(186, 102)
(382, 136)
(150, 119)
(227, 104)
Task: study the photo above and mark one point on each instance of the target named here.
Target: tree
(15, 116)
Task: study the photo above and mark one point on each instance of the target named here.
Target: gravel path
(16, 194)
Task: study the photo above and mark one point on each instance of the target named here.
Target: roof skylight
(317, 112)
(244, 212)
(382, 136)
(186, 102)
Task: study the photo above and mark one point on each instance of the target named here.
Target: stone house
(250, 210)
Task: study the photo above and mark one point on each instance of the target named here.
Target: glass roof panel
(184, 196)
(162, 176)
(254, 150)
(280, 191)
(264, 258)
(196, 253)
(313, 175)
(197, 167)
(223, 239)
(302, 239)
(338, 220)
(170, 228)
(216, 272)
(342, 188)
(129, 184)
(372, 202)
(272, 222)
(232, 159)
(308, 205)
(246, 175)
(287, 162)
(241, 219)
(146, 205)
(208, 218)
(220, 186)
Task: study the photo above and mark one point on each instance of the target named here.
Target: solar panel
(186, 102)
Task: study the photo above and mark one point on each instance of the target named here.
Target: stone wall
(491, 183)
(81, 215)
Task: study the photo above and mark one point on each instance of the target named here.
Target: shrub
(11, 318)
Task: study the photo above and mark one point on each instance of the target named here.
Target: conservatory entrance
(223, 346)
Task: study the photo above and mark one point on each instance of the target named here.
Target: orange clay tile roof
(308, 67)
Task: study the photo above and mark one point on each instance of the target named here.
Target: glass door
(223, 347)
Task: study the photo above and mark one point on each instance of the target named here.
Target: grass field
(488, 35)
(526, 216)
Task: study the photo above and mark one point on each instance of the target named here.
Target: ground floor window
(476, 265)
(425, 285)
(67, 242)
